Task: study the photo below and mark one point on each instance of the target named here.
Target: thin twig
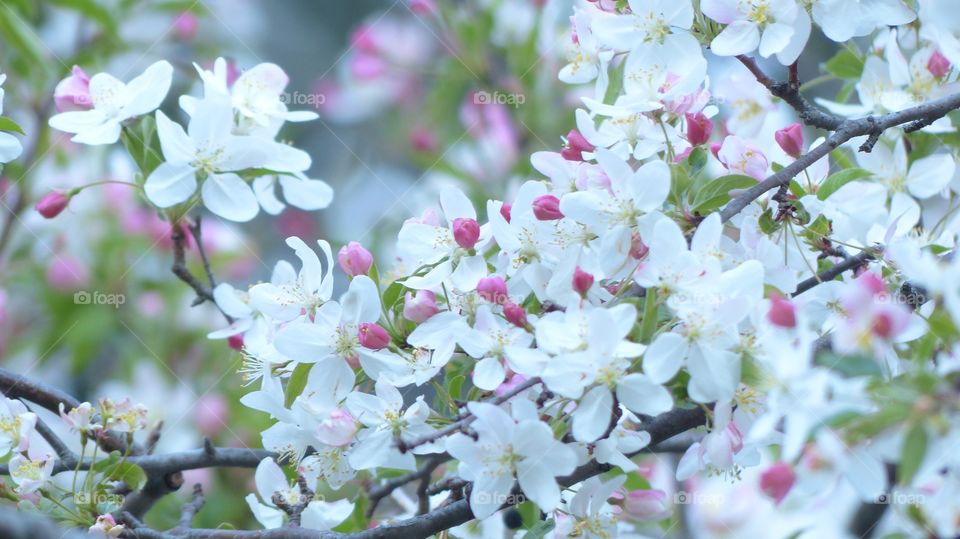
(849, 263)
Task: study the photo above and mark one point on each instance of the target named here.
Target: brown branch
(849, 263)
(379, 492)
(848, 129)
(790, 92)
(180, 268)
(191, 508)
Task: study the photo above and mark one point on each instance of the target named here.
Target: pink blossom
(354, 259)
(53, 203)
(373, 336)
(466, 232)
(515, 314)
(547, 208)
(699, 128)
(185, 26)
(420, 307)
(782, 313)
(493, 289)
(67, 273)
(73, 92)
(337, 429)
(575, 146)
(938, 65)
(647, 505)
(742, 157)
(777, 480)
(423, 140)
(505, 209)
(790, 139)
(235, 341)
(582, 281)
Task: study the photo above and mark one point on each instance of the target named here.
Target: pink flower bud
(354, 259)
(211, 414)
(466, 232)
(363, 40)
(73, 92)
(505, 210)
(418, 308)
(338, 429)
(638, 249)
(423, 7)
(373, 336)
(938, 65)
(515, 314)
(782, 313)
(890, 321)
(790, 139)
(576, 145)
(582, 281)
(647, 505)
(423, 140)
(777, 480)
(235, 342)
(742, 157)
(52, 204)
(547, 208)
(185, 26)
(367, 66)
(493, 289)
(699, 128)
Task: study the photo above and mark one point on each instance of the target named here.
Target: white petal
(170, 184)
(643, 396)
(664, 357)
(228, 196)
(592, 416)
(740, 37)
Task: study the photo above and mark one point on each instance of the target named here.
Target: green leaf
(297, 382)
(835, 181)
(21, 37)
(912, 452)
(849, 365)
(845, 65)
(10, 126)
(114, 468)
(716, 193)
(540, 529)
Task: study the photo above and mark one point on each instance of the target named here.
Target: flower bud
(938, 65)
(373, 336)
(782, 313)
(338, 429)
(493, 289)
(547, 208)
(576, 145)
(185, 26)
(515, 314)
(354, 259)
(777, 480)
(699, 128)
(235, 341)
(418, 308)
(466, 232)
(790, 139)
(73, 92)
(646, 505)
(505, 210)
(582, 281)
(638, 249)
(53, 203)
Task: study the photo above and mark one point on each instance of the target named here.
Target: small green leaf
(297, 382)
(912, 452)
(10, 126)
(835, 181)
(114, 468)
(716, 193)
(845, 65)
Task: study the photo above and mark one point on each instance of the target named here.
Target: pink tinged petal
(777, 480)
(592, 416)
(170, 184)
(740, 37)
(643, 396)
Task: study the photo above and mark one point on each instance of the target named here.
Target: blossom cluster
(549, 328)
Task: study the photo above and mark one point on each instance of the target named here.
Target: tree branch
(790, 92)
(849, 263)
(848, 129)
